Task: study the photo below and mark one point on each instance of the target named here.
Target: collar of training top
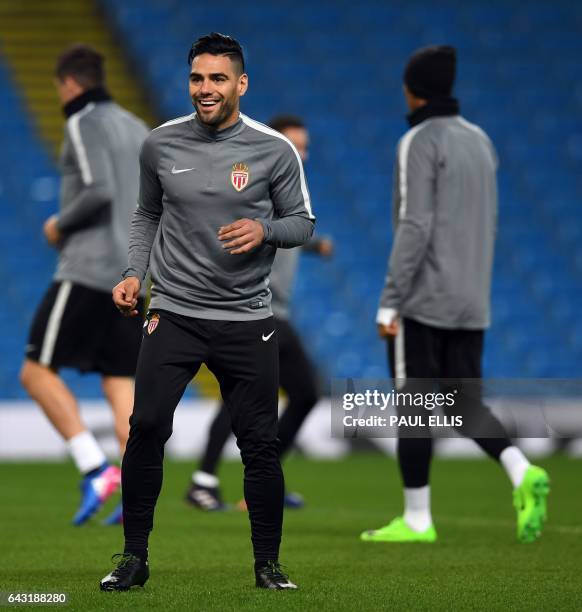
(214, 135)
(98, 94)
(437, 107)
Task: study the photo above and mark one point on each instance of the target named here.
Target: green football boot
(529, 500)
(399, 531)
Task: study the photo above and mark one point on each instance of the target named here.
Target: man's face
(67, 89)
(215, 89)
(300, 138)
(411, 100)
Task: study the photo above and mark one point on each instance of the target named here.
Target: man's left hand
(241, 236)
(51, 231)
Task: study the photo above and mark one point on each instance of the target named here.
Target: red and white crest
(153, 323)
(239, 177)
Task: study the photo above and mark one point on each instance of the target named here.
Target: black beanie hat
(430, 72)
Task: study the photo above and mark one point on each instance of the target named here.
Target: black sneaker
(206, 499)
(271, 576)
(130, 571)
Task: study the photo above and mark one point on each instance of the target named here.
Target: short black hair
(83, 63)
(283, 122)
(219, 44)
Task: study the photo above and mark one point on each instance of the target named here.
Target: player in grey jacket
(76, 325)
(435, 304)
(219, 193)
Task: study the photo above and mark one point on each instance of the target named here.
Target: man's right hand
(125, 295)
(389, 331)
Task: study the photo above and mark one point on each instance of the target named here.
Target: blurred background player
(76, 325)
(435, 304)
(298, 377)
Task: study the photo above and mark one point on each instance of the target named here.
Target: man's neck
(97, 94)
(222, 126)
(438, 107)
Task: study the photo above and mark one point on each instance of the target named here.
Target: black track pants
(243, 355)
(424, 352)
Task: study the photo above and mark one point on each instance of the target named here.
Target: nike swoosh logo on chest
(181, 170)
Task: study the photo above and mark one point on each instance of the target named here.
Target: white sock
(204, 479)
(86, 452)
(417, 508)
(515, 464)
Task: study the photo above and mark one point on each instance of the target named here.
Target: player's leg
(462, 356)
(245, 360)
(204, 492)
(63, 335)
(412, 356)
(118, 369)
(118, 391)
(299, 381)
(171, 352)
(464, 350)
(50, 392)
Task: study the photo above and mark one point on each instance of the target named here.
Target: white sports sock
(86, 452)
(515, 464)
(204, 479)
(417, 508)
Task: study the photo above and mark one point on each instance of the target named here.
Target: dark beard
(226, 111)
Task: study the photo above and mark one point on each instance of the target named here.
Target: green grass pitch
(203, 561)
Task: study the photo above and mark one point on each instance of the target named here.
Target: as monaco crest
(153, 324)
(239, 177)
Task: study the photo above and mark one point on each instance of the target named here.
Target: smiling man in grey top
(219, 193)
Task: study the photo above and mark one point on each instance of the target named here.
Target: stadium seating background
(339, 65)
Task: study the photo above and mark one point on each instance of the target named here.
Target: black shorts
(77, 327)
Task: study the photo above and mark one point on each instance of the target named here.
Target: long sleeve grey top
(282, 278)
(193, 181)
(99, 187)
(445, 212)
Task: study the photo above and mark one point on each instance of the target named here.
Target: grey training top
(445, 212)
(99, 187)
(282, 279)
(195, 180)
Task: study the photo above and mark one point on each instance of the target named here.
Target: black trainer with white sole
(271, 576)
(130, 571)
(206, 499)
